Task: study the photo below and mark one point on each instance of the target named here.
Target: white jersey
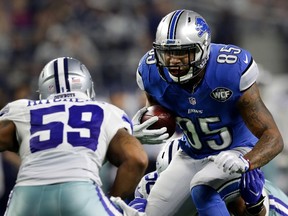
(145, 185)
(147, 182)
(63, 138)
(276, 201)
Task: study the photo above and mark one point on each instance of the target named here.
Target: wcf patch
(221, 94)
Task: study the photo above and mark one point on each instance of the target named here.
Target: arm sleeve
(249, 77)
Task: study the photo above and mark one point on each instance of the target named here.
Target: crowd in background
(110, 37)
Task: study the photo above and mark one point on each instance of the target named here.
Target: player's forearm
(127, 178)
(256, 210)
(262, 213)
(238, 207)
(269, 146)
(8, 139)
(261, 123)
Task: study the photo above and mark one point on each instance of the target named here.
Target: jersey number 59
(52, 126)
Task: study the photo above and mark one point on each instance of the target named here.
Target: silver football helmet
(65, 74)
(166, 154)
(185, 34)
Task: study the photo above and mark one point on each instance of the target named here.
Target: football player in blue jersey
(63, 140)
(274, 199)
(212, 90)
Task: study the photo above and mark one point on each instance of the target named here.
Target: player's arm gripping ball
(150, 125)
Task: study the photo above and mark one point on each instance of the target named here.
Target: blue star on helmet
(201, 26)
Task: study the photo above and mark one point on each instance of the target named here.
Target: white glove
(127, 210)
(230, 162)
(148, 136)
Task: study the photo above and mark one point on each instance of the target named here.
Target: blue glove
(139, 204)
(251, 186)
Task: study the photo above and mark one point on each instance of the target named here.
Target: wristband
(255, 209)
(250, 167)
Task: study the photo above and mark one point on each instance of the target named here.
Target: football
(166, 118)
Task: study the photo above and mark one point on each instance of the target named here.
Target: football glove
(230, 162)
(148, 136)
(139, 204)
(127, 210)
(251, 186)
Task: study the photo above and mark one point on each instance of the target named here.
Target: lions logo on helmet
(65, 74)
(202, 26)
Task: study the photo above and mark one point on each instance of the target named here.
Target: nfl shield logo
(192, 100)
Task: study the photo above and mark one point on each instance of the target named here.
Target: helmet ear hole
(178, 33)
(65, 74)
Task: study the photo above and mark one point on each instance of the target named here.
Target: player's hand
(251, 186)
(139, 204)
(127, 210)
(148, 136)
(230, 162)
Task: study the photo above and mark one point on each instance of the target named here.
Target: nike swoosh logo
(246, 59)
(256, 194)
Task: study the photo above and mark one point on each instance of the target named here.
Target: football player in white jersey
(275, 200)
(63, 140)
(211, 89)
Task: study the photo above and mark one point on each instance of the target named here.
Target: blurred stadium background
(110, 37)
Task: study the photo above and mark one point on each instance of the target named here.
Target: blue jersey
(208, 116)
